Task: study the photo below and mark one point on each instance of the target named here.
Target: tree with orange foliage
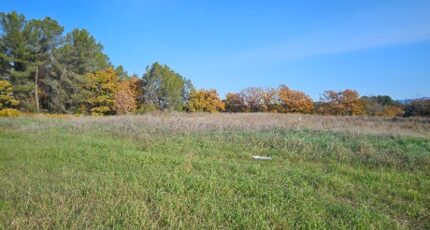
(125, 98)
(235, 103)
(345, 102)
(204, 101)
(136, 87)
(352, 103)
(293, 101)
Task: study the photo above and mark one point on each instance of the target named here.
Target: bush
(9, 113)
(7, 100)
(419, 108)
(147, 108)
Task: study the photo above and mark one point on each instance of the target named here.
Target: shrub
(7, 99)
(392, 111)
(420, 108)
(9, 113)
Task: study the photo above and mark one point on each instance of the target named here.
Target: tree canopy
(44, 69)
(205, 101)
(164, 88)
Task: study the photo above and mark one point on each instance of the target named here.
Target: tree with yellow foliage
(293, 101)
(7, 100)
(392, 111)
(204, 101)
(103, 86)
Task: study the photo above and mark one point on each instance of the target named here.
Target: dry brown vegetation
(191, 122)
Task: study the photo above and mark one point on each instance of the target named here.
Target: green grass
(54, 174)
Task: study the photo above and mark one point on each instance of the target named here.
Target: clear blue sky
(376, 47)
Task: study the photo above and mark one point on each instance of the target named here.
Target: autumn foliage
(43, 69)
(255, 99)
(103, 86)
(345, 102)
(125, 98)
(281, 100)
(136, 86)
(107, 94)
(392, 111)
(7, 99)
(204, 101)
(234, 102)
(293, 101)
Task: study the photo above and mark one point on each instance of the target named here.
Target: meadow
(195, 171)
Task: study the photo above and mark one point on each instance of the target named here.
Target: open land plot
(183, 171)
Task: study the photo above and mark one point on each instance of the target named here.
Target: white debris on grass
(261, 158)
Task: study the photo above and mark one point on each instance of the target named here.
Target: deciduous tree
(235, 103)
(7, 100)
(136, 86)
(125, 98)
(103, 85)
(204, 101)
(292, 101)
(255, 99)
(345, 102)
(163, 88)
(419, 108)
(381, 105)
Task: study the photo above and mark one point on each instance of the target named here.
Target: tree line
(44, 70)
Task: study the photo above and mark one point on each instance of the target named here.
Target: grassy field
(195, 171)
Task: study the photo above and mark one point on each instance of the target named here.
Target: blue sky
(376, 47)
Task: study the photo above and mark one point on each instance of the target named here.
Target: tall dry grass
(196, 122)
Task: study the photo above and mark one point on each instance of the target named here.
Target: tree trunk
(36, 92)
(62, 104)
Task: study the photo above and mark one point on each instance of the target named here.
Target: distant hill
(407, 101)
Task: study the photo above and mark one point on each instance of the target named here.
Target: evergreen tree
(44, 37)
(16, 57)
(76, 56)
